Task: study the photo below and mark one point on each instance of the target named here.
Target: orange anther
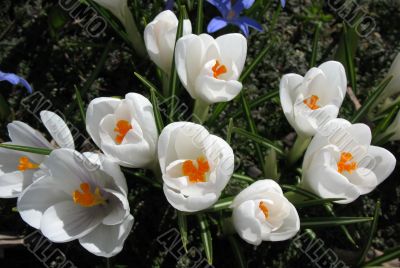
(122, 128)
(344, 164)
(218, 69)
(196, 174)
(311, 102)
(25, 164)
(87, 198)
(264, 209)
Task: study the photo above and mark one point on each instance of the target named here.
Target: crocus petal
(107, 241)
(58, 129)
(289, 228)
(12, 184)
(37, 198)
(246, 224)
(66, 221)
(223, 6)
(216, 24)
(336, 75)
(250, 23)
(22, 134)
(383, 162)
(237, 52)
(15, 80)
(118, 207)
(212, 90)
(97, 109)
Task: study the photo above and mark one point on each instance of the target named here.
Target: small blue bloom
(15, 80)
(283, 3)
(230, 15)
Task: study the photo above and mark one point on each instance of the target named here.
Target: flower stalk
(298, 148)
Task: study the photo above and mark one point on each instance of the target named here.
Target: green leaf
(200, 17)
(221, 204)
(137, 175)
(314, 51)
(80, 105)
(243, 178)
(218, 109)
(28, 149)
(316, 202)
(229, 132)
(349, 60)
(173, 82)
(384, 123)
(389, 255)
(154, 101)
(258, 139)
(206, 238)
(372, 232)
(331, 221)
(237, 252)
(149, 85)
(371, 100)
(182, 223)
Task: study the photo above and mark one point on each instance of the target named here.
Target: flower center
(196, 174)
(344, 163)
(25, 164)
(218, 69)
(264, 209)
(86, 198)
(231, 14)
(122, 128)
(311, 102)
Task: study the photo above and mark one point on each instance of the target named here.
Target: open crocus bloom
(18, 169)
(341, 163)
(82, 197)
(196, 166)
(311, 101)
(160, 37)
(124, 130)
(262, 213)
(209, 68)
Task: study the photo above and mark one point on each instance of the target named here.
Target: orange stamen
(264, 209)
(218, 69)
(122, 128)
(344, 164)
(196, 174)
(311, 102)
(25, 164)
(87, 198)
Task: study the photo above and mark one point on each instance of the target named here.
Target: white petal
(38, 197)
(213, 90)
(97, 109)
(289, 228)
(383, 162)
(233, 47)
(336, 75)
(287, 89)
(107, 241)
(12, 184)
(118, 207)
(188, 44)
(246, 224)
(22, 134)
(189, 203)
(66, 221)
(58, 129)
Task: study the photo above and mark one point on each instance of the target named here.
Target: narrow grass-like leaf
(349, 59)
(243, 178)
(182, 223)
(173, 82)
(315, 202)
(28, 149)
(331, 221)
(237, 252)
(371, 100)
(258, 101)
(314, 52)
(372, 232)
(221, 204)
(206, 238)
(200, 17)
(229, 131)
(258, 139)
(387, 256)
(137, 175)
(385, 122)
(80, 105)
(218, 109)
(149, 85)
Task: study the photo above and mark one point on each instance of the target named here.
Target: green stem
(298, 148)
(165, 84)
(134, 35)
(200, 111)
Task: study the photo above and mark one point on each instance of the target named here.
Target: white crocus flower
(196, 166)
(124, 130)
(311, 101)
(18, 169)
(82, 197)
(160, 36)
(262, 213)
(209, 68)
(341, 163)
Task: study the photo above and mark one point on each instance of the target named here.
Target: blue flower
(15, 80)
(283, 3)
(230, 15)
